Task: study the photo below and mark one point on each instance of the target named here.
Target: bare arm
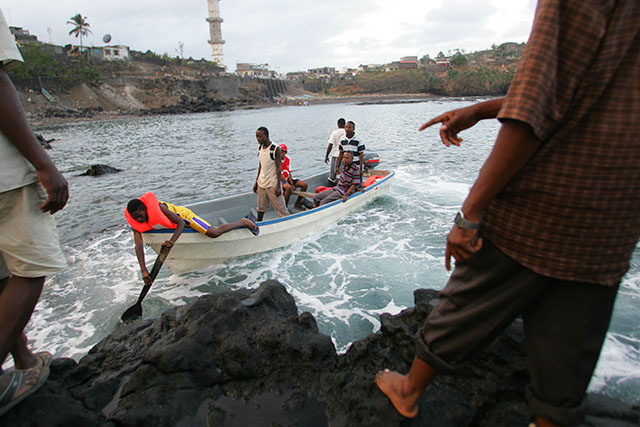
(137, 238)
(278, 160)
(348, 192)
(455, 121)
(255, 186)
(326, 156)
(176, 220)
(515, 145)
(13, 124)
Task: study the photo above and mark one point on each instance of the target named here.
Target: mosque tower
(215, 32)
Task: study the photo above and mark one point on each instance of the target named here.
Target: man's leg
(483, 296)
(217, 231)
(263, 202)
(332, 170)
(17, 301)
(564, 333)
(331, 197)
(303, 187)
(277, 202)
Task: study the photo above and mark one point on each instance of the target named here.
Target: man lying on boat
(348, 182)
(147, 213)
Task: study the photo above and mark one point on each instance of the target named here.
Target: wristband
(461, 222)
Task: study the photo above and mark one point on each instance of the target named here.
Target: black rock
(97, 170)
(247, 358)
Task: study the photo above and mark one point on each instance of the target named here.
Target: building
(215, 32)
(408, 62)
(322, 72)
(246, 69)
(22, 36)
(115, 53)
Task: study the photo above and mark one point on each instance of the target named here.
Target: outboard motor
(371, 160)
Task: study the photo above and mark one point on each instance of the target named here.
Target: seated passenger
(288, 183)
(348, 182)
(147, 213)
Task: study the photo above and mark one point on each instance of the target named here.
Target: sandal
(8, 398)
(256, 229)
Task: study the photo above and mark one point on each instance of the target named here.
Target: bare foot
(394, 386)
(37, 360)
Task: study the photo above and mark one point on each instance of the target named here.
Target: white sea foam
(368, 263)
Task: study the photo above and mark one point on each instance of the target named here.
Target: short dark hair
(353, 123)
(341, 122)
(264, 130)
(135, 205)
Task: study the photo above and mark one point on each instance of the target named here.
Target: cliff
(248, 358)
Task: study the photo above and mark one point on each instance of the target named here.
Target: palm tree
(81, 27)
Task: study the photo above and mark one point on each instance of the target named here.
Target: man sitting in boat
(289, 184)
(147, 213)
(348, 182)
(268, 186)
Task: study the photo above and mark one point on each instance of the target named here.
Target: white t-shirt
(15, 170)
(335, 138)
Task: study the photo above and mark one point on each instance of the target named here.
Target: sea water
(369, 262)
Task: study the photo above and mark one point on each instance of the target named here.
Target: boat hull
(195, 251)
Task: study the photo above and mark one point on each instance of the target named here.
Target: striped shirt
(348, 177)
(354, 146)
(573, 212)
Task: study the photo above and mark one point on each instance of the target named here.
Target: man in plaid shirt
(548, 228)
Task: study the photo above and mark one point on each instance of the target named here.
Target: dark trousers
(565, 324)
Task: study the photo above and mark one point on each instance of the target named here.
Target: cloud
(290, 35)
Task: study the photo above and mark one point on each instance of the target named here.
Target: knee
(213, 232)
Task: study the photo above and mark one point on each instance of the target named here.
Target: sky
(289, 35)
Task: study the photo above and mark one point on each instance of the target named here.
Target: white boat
(195, 251)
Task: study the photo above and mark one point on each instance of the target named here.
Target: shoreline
(36, 121)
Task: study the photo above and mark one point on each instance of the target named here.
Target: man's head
(137, 210)
(347, 158)
(283, 148)
(262, 135)
(350, 129)
(341, 123)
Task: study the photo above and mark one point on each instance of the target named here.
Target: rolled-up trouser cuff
(424, 353)
(558, 415)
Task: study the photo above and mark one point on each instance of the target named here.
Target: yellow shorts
(198, 224)
(29, 243)
(191, 219)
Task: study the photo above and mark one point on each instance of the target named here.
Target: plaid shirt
(573, 212)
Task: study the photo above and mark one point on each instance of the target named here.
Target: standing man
(334, 149)
(548, 228)
(350, 144)
(268, 185)
(31, 191)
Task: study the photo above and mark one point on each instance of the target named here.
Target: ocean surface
(368, 263)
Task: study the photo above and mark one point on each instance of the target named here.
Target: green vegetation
(39, 64)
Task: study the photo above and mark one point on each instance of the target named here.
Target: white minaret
(215, 32)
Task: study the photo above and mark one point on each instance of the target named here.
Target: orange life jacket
(156, 219)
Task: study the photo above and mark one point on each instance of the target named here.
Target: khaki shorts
(29, 242)
(266, 195)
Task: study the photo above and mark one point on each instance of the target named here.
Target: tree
(180, 50)
(458, 60)
(81, 27)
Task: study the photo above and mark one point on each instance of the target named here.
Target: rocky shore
(248, 358)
